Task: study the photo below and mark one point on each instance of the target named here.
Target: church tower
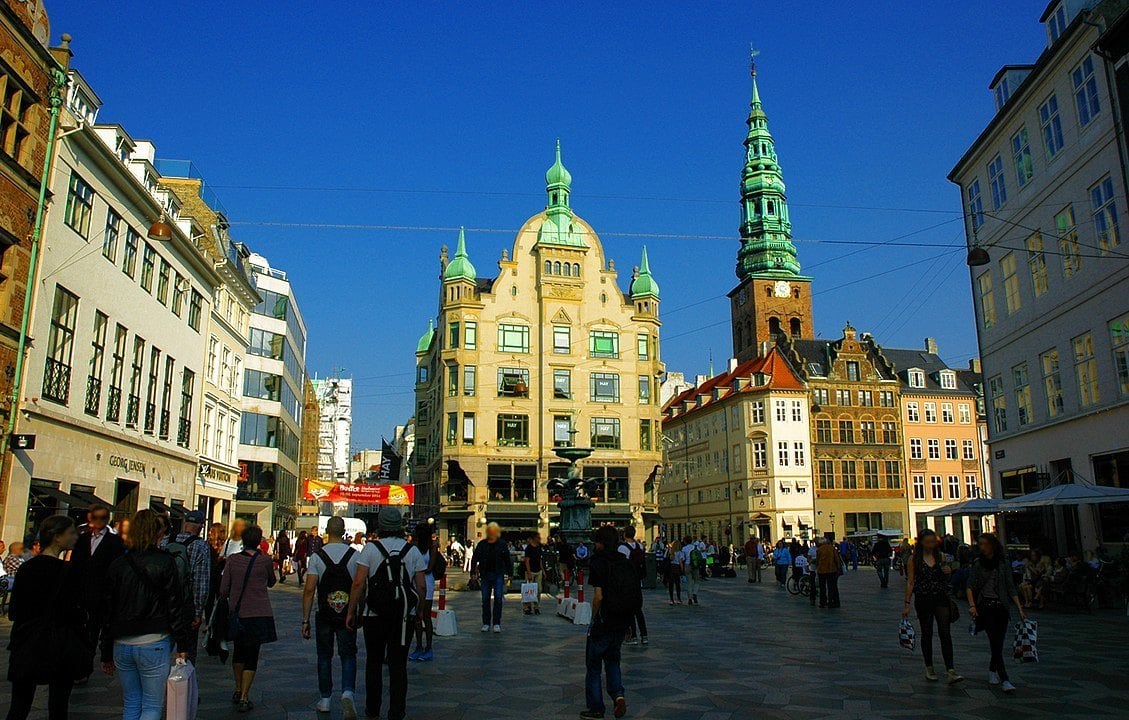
(772, 298)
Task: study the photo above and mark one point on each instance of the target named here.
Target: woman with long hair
(217, 538)
(673, 575)
(990, 588)
(928, 585)
(246, 577)
(424, 542)
(146, 613)
(45, 596)
(234, 543)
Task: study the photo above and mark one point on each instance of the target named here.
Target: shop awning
(44, 492)
(89, 498)
(161, 507)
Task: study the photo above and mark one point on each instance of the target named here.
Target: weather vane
(753, 52)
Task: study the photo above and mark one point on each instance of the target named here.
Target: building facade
(273, 400)
(738, 456)
(113, 380)
(1044, 192)
(549, 352)
(335, 398)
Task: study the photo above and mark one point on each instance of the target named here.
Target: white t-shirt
(372, 559)
(232, 547)
(626, 547)
(802, 562)
(686, 555)
(335, 551)
(359, 547)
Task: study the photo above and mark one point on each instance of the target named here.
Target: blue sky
(871, 104)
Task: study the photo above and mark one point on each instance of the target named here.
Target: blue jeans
(142, 671)
(603, 648)
(497, 585)
(324, 636)
(882, 565)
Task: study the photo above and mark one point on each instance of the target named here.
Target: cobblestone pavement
(748, 651)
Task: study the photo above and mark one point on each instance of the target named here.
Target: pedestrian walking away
(194, 562)
(690, 569)
(633, 550)
(828, 564)
(674, 570)
(424, 540)
(146, 612)
(246, 578)
(389, 585)
(534, 564)
(301, 555)
(96, 549)
(881, 554)
(616, 597)
(329, 582)
(754, 554)
(234, 543)
(491, 565)
(49, 643)
(991, 589)
(928, 585)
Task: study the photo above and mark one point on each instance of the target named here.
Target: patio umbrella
(1068, 494)
(975, 506)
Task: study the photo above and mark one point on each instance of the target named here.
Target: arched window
(576, 269)
(548, 267)
(513, 290)
(554, 198)
(568, 270)
(796, 293)
(603, 297)
(557, 268)
(774, 326)
(794, 326)
(771, 207)
(768, 291)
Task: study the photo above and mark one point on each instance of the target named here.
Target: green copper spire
(426, 339)
(766, 231)
(644, 283)
(558, 228)
(460, 267)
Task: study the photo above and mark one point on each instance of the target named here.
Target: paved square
(750, 651)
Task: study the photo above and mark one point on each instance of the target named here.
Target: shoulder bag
(234, 624)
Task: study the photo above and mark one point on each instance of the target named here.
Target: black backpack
(439, 569)
(637, 557)
(391, 594)
(334, 586)
(622, 594)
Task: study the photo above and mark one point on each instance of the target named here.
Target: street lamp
(160, 231)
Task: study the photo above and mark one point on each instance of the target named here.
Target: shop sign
(127, 464)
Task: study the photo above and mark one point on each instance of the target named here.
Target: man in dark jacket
(881, 554)
(492, 565)
(96, 549)
(606, 633)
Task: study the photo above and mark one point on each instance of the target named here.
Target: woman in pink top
(246, 577)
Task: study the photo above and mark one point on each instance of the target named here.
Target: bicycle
(802, 586)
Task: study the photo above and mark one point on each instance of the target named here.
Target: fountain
(575, 505)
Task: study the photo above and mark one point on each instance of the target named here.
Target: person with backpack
(691, 567)
(616, 597)
(390, 583)
(194, 562)
(633, 550)
(329, 582)
(491, 563)
(247, 576)
(424, 540)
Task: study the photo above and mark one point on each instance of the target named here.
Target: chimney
(974, 365)
(700, 380)
(931, 346)
(732, 364)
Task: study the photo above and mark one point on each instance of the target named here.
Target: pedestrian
(217, 538)
(358, 543)
(283, 551)
(195, 557)
(753, 554)
(880, 554)
(491, 565)
(329, 582)
(15, 558)
(424, 540)
(633, 550)
(673, 577)
(94, 552)
(781, 561)
(301, 555)
(246, 577)
(534, 563)
(928, 585)
(389, 584)
(565, 554)
(146, 613)
(48, 640)
(828, 565)
(691, 569)
(315, 540)
(468, 557)
(616, 598)
(234, 543)
(990, 589)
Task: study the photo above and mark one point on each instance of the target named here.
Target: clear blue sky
(871, 104)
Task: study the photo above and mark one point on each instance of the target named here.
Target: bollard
(580, 582)
(581, 612)
(445, 623)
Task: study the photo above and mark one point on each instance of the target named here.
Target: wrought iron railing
(164, 429)
(132, 410)
(93, 395)
(184, 432)
(56, 381)
(150, 417)
(114, 404)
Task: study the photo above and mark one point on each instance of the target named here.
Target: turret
(644, 289)
(459, 276)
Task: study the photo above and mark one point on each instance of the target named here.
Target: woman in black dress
(47, 646)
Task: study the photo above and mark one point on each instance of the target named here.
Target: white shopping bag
(181, 692)
(530, 593)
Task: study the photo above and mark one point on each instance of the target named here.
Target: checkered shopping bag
(907, 636)
(1026, 633)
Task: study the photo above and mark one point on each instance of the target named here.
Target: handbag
(907, 636)
(234, 624)
(530, 592)
(1026, 633)
(182, 692)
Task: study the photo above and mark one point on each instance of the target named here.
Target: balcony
(132, 411)
(164, 429)
(93, 395)
(184, 432)
(114, 404)
(56, 381)
(150, 417)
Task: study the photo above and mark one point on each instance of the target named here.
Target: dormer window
(1003, 93)
(948, 380)
(916, 378)
(1056, 22)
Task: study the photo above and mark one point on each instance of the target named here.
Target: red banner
(362, 494)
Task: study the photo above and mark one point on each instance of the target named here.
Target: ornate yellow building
(549, 352)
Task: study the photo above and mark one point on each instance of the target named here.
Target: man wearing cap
(200, 561)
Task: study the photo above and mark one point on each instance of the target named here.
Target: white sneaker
(1008, 687)
(993, 677)
(348, 706)
(497, 629)
(485, 628)
(323, 705)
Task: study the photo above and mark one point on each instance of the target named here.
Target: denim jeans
(382, 645)
(324, 636)
(602, 648)
(882, 565)
(142, 671)
(497, 585)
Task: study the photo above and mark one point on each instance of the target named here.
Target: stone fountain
(575, 505)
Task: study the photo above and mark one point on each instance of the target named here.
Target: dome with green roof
(460, 267)
(427, 338)
(558, 174)
(644, 283)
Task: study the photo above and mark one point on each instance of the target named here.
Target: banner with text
(320, 491)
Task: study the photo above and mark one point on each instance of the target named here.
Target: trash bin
(651, 573)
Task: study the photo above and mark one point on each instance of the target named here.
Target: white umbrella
(975, 506)
(1068, 494)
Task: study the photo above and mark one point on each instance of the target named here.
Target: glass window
(972, 486)
(1022, 393)
(799, 457)
(470, 380)
(605, 433)
(644, 389)
(918, 487)
(452, 428)
(852, 371)
(195, 308)
(129, 258)
(760, 454)
(603, 344)
(1068, 241)
(930, 412)
(1021, 152)
(1037, 264)
(452, 380)
(110, 236)
(60, 346)
(1085, 91)
(644, 434)
(889, 433)
(826, 473)
(468, 428)
(823, 431)
(562, 384)
(915, 449)
(513, 382)
(1086, 370)
(870, 474)
(470, 335)
(935, 487)
(934, 446)
(148, 262)
(562, 431)
(987, 300)
(263, 385)
(1119, 341)
(964, 411)
(954, 487)
(999, 403)
(1105, 214)
(80, 205)
(453, 335)
(179, 287)
(513, 338)
(893, 474)
(913, 413)
(758, 412)
(996, 182)
(947, 412)
(916, 378)
(782, 454)
(846, 431)
(1056, 22)
(1051, 127)
(781, 411)
(513, 430)
(604, 387)
(644, 346)
(951, 449)
(1011, 283)
(968, 449)
(850, 475)
(562, 339)
(975, 204)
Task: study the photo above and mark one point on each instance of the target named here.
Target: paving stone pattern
(749, 651)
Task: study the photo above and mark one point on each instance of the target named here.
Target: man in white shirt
(388, 636)
(358, 543)
(690, 571)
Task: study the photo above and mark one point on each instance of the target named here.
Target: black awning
(88, 498)
(177, 512)
(160, 507)
(44, 493)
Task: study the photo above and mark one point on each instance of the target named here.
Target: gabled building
(738, 456)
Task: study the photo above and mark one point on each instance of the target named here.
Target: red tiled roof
(780, 374)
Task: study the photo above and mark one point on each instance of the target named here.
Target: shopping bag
(907, 636)
(530, 593)
(1026, 633)
(181, 692)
